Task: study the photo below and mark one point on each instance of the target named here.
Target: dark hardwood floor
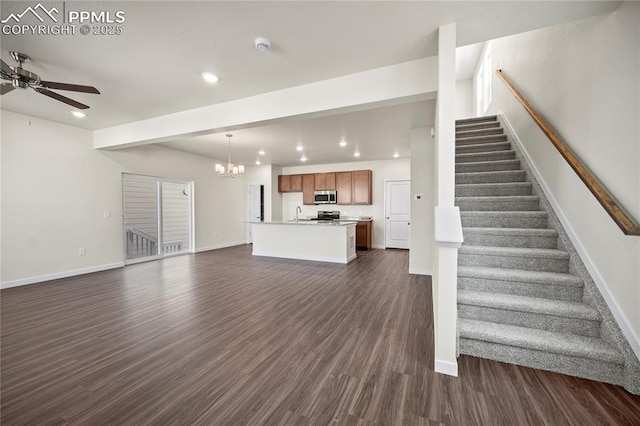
(221, 338)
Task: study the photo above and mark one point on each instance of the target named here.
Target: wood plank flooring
(222, 338)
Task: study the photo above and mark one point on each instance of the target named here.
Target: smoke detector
(262, 44)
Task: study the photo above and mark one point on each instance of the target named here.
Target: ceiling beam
(399, 83)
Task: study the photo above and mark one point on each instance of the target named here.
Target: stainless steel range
(327, 216)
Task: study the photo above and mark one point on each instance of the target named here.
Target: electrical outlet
(107, 214)
(82, 251)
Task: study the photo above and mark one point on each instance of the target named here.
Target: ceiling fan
(21, 79)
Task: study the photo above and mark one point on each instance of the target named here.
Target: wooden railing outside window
(615, 210)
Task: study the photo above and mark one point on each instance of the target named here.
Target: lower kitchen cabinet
(363, 235)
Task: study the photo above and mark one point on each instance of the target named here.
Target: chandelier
(231, 170)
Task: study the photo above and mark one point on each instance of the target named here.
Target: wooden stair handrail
(617, 213)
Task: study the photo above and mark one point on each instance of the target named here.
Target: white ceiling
(154, 66)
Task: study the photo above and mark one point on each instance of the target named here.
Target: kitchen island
(306, 240)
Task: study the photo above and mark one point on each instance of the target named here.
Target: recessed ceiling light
(78, 114)
(261, 152)
(210, 77)
(258, 162)
(303, 158)
(396, 155)
(356, 154)
(299, 148)
(343, 143)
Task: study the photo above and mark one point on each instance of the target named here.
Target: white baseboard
(378, 246)
(58, 275)
(446, 367)
(621, 319)
(420, 271)
(219, 246)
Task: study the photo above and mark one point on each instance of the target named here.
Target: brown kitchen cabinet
(308, 186)
(330, 181)
(284, 183)
(296, 183)
(343, 187)
(321, 179)
(363, 235)
(325, 181)
(361, 191)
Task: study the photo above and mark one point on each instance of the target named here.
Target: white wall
(422, 220)
(56, 187)
(583, 77)
(381, 170)
(464, 99)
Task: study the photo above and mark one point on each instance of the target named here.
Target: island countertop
(306, 222)
(305, 240)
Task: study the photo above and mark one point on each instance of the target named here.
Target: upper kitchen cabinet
(343, 186)
(296, 183)
(361, 190)
(284, 183)
(325, 181)
(308, 186)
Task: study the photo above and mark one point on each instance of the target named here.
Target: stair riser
(548, 322)
(504, 222)
(476, 140)
(469, 133)
(527, 263)
(487, 156)
(493, 166)
(502, 177)
(493, 240)
(483, 147)
(574, 366)
(558, 292)
(507, 205)
(477, 126)
(493, 190)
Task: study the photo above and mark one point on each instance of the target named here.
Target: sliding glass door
(157, 217)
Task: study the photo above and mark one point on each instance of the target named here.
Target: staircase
(517, 300)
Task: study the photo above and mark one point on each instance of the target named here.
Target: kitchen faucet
(298, 209)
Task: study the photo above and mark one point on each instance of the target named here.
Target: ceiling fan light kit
(21, 78)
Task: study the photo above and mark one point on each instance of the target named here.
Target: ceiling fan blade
(66, 86)
(61, 98)
(6, 69)
(6, 88)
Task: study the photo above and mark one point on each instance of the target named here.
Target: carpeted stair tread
(514, 252)
(488, 166)
(479, 125)
(498, 203)
(474, 120)
(500, 176)
(473, 157)
(479, 139)
(509, 302)
(466, 133)
(543, 232)
(493, 189)
(552, 342)
(483, 147)
(534, 277)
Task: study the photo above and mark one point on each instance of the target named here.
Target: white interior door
(397, 214)
(254, 213)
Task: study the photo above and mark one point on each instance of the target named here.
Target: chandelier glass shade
(231, 170)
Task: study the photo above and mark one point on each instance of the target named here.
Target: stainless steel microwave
(325, 197)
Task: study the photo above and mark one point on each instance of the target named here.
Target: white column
(448, 231)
